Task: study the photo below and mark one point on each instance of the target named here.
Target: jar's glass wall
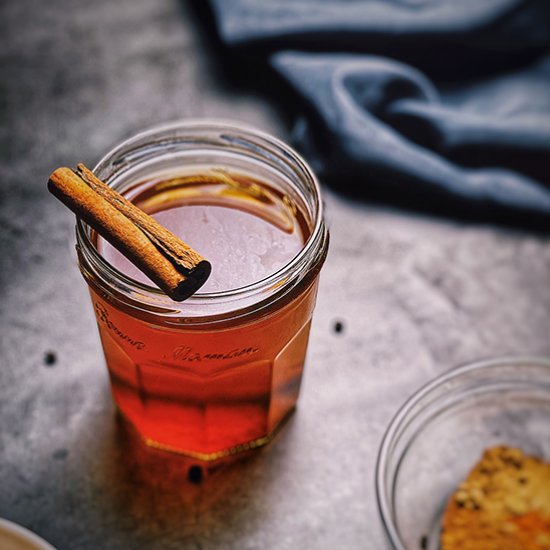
(218, 374)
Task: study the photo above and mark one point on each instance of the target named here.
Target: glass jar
(217, 374)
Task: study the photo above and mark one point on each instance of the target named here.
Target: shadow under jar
(217, 374)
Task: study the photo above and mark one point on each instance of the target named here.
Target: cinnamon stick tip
(184, 290)
(201, 272)
(58, 173)
(192, 282)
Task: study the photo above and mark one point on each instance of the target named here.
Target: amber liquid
(212, 390)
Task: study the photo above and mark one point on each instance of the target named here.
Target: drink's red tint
(213, 389)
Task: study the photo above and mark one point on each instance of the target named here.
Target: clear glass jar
(217, 374)
(441, 432)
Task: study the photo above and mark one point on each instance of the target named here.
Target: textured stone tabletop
(414, 296)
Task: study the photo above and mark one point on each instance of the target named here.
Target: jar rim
(265, 141)
(403, 417)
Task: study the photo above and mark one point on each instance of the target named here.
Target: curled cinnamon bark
(174, 266)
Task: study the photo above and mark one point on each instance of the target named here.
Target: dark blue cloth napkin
(424, 103)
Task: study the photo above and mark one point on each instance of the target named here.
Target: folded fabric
(329, 24)
(383, 123)
(470, 130)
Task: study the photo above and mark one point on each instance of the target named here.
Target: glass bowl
(441, 432)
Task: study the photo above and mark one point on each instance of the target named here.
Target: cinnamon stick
(174, 266)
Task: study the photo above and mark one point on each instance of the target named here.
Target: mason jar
(217, 374)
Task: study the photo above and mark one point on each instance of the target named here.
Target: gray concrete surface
(416, 296)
